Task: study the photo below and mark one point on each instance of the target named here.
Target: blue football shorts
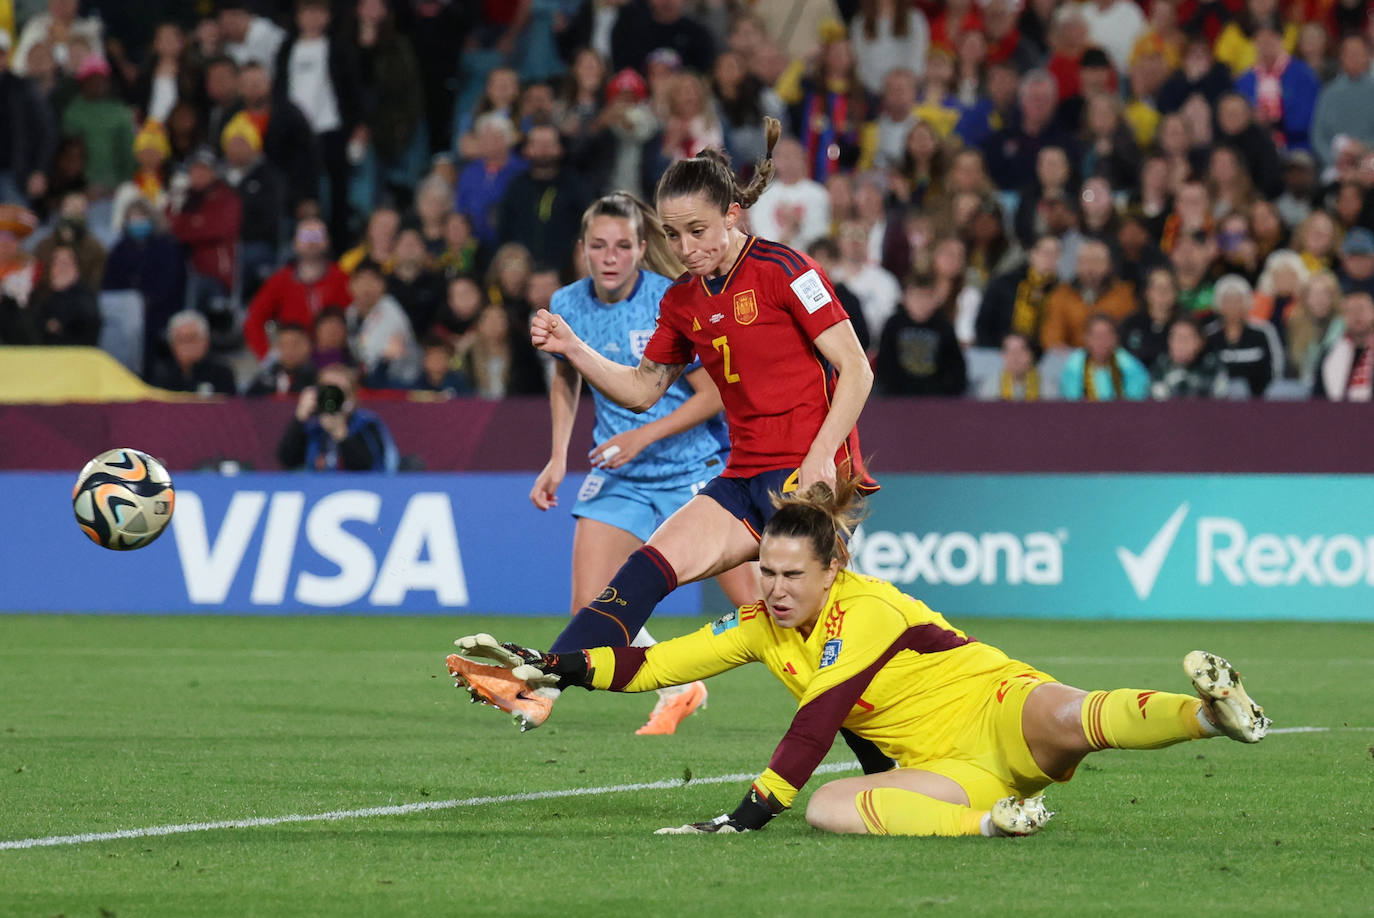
(636, 506)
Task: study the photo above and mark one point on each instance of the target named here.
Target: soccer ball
(123, 499)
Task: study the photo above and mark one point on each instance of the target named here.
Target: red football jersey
(754, 330)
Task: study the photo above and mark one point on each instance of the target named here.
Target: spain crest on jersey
(746, 307)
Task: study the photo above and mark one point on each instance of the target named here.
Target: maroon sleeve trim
(628, 662)
(813, 729)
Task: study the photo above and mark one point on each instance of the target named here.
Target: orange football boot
(674, 709)
(498, 687)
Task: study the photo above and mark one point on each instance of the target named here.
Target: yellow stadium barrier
(52, 375)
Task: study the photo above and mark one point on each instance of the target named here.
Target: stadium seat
(1009, 201)
(983, 363)
(121, 327)
(1052, 365)
(1237, 390)
(1288, 390)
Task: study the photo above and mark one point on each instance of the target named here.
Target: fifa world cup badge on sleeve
(830, 652)
(810, 290)
(725, 623)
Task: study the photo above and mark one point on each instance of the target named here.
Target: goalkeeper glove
(753, 813)
(568, 669)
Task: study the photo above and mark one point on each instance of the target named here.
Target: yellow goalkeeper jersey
(879, 662)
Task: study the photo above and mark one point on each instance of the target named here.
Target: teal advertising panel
(1127, 546)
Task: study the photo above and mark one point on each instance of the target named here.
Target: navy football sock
(615, 617)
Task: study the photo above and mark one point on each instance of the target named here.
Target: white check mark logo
(1143, 569)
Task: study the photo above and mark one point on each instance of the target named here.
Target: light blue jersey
(619, 332)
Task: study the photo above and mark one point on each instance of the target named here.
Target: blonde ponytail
(658, 257)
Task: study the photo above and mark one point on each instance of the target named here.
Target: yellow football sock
(1140, 719)
(893, 811)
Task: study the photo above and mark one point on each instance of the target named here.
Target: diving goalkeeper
(977, 736)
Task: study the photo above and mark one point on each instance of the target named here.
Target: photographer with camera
(329, 431)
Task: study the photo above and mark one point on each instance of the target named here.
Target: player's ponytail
(711, 175)
(763, 169)
(824, 517)
(658, 257)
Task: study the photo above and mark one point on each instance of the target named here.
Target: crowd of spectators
(1016, 199)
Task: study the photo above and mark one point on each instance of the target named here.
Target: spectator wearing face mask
(146, 258)
(152, 151)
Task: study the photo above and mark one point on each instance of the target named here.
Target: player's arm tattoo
(660, 375)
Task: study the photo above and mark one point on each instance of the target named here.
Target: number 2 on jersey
(722, 344)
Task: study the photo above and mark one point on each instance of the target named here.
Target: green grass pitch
(116, 723)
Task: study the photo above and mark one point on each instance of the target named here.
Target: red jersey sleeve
(669, 344)
(807, 293)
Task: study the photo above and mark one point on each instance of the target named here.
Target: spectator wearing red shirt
(1208, 16)
(956, 18)
(206, 222)
(1005, 42)
(297, 292)
(1068, 41)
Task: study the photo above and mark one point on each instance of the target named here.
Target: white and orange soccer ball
(123, 499)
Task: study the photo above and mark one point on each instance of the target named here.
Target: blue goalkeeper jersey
(619, 332)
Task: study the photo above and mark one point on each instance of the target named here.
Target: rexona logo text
(1228, 552)
(419, 553)
(957, 558)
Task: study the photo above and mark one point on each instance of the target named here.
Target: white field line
(397, 810)
(429, 805)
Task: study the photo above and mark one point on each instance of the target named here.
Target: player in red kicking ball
(769, 329)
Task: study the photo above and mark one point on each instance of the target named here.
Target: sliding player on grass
(646, 466)
(977, 736)
(769, 329)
